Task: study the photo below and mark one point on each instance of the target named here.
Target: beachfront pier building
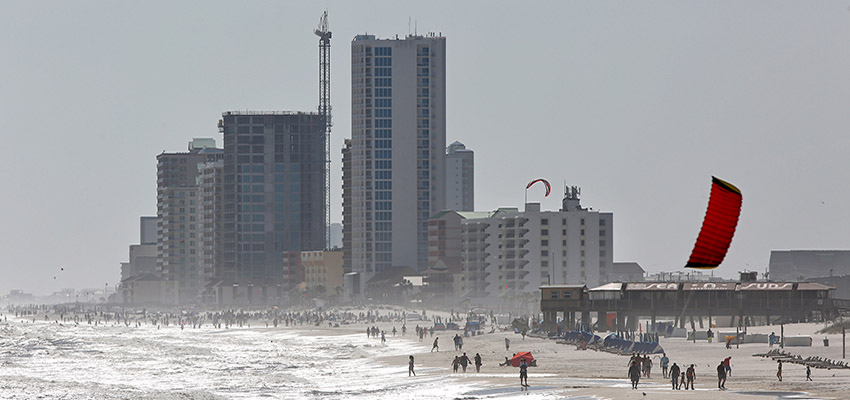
(619, 305)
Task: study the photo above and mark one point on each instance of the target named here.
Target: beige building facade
(323, 268)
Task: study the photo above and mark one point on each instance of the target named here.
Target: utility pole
(325, 111)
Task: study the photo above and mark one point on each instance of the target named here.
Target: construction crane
(325, 111)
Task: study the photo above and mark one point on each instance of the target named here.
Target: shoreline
(577, 374)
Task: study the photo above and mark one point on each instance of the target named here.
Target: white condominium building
(396, 154)
(512, 252)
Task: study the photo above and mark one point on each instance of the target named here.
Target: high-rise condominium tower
(178, 219)
(397, 149)
(460, 178)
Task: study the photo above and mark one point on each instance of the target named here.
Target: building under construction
(274, 196)
(619, 306)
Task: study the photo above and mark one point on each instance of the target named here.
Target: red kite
(545, 183)
(718, 228)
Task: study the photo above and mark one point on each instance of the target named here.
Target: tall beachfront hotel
(397, 151)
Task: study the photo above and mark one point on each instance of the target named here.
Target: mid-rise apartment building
(512, 251)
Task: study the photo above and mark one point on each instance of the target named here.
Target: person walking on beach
(692, 376)
(647, 366)
(664, 362)
(523, 373)
(779, 371)
(410, 367)
(634, 374)
(477, 362)
(455, 364)
(507, 344)
(394, 331)
(808, 373)
(436, 345)
(674, 372)
(721, 376)
(727, 363)
(682, 381)
(464, 361)
(771, 339)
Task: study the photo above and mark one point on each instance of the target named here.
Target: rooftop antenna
(325, 111)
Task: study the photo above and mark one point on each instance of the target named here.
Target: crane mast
(325, 111)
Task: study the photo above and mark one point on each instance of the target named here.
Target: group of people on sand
(641, 366)
(463, 361)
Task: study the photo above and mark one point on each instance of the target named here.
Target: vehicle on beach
(413, 317)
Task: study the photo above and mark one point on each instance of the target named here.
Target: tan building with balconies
(323, 268)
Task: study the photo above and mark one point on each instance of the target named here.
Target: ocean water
(46, 360)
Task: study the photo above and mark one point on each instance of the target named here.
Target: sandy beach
(564, 371)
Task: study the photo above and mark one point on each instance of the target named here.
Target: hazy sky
(639, 103)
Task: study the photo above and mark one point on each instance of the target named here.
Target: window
(601, 222)
(544, 253)
(383, 72)
(383, 82)
(554, 294)
(383, 51)
(544, 232)
(544, 221)
(544, 242)
(383, 144)
(582, 222)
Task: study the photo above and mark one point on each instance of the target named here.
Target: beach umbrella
(519, 356)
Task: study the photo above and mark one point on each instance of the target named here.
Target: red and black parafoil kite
(545, 183)
(718, 228)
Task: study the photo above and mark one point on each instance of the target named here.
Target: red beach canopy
(519, 356)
